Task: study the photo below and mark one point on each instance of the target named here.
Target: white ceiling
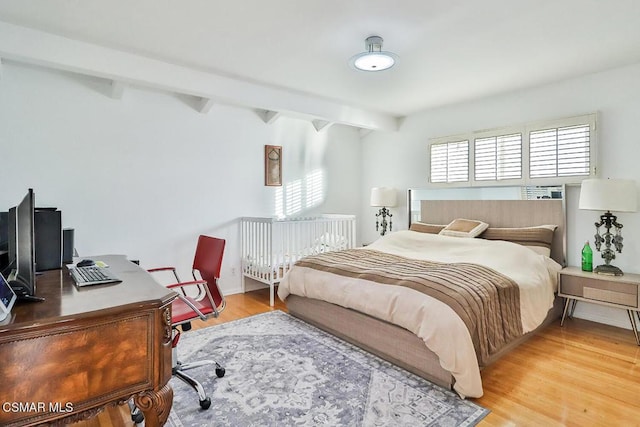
(450, 50)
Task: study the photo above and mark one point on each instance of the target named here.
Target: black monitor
(23, 277)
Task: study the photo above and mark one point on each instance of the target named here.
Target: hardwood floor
(583, 374)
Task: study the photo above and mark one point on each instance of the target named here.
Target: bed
(270, 246)
(417, 331)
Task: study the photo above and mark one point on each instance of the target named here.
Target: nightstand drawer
(619, 293)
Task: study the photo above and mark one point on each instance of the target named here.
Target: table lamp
(608, 195)
(383, 197)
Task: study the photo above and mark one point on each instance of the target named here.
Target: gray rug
(281, 371)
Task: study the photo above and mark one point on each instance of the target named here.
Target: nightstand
(615, 291)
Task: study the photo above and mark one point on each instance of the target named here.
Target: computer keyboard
(92, 275)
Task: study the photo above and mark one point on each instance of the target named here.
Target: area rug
(281, 371)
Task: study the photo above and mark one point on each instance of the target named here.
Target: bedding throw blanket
(487, 302)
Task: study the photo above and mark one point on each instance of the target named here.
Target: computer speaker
(67, 245)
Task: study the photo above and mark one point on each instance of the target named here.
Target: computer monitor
(23, 277)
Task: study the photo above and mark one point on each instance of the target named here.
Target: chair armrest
(183, 284)
(153, 270)
(171, 269)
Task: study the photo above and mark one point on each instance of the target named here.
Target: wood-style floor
(583, 374)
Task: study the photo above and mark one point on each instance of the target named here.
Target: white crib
(271, 246)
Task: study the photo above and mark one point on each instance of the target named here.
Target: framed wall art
(272, 165)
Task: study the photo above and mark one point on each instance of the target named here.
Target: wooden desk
(85, 348)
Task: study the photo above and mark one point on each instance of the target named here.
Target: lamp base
(608, 270)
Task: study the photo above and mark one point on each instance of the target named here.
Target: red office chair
(208, 302)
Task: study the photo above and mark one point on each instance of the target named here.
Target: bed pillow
(464, 228)
(538, 238)
(423, 227)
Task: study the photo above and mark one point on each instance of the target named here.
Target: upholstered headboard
(503, 213)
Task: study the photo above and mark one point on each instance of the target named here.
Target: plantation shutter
(450, 162)
(560, 152)
(498, 157)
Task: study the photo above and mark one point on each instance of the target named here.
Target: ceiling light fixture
(374, 59)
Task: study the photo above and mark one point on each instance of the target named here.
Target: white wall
(614, 94)
(169, 173)
(146, 174)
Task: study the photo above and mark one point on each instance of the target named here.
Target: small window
(560, 152)
(450, 162)
(497, 158)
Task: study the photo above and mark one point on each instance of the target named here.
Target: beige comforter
(436, 323)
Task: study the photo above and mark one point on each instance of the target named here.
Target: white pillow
(461, 227)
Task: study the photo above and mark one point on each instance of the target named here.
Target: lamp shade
(383, 196)
(618, 195)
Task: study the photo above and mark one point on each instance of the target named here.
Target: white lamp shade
(618, 195)
(383, 196)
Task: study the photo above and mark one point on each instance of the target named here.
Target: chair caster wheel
(220, 372)
(206, 403)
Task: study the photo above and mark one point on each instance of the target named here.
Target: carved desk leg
(155, 405)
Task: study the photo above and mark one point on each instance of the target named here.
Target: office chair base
(178, 371)
(136, 414)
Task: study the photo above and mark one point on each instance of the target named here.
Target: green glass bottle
(587, 257)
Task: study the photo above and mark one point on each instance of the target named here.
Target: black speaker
(67, 245)
(4, 240)
(48, 238)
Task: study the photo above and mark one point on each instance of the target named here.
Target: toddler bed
(359, 303)
(270, 246)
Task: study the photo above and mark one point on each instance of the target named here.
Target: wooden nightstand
(615, 291)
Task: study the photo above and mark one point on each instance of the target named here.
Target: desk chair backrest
(208, 261)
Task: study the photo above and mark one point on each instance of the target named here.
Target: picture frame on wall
(272, 165)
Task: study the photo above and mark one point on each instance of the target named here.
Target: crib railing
(270, 246)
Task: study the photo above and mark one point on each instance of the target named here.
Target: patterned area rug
(281, 371)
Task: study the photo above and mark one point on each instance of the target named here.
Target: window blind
(450, 162)
(498, 157)
(558, 152)
(562, 150)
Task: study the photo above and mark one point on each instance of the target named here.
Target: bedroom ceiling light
(608, 195)
(383, 197)
(374, 59)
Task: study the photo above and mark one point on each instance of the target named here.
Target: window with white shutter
(450, 162)
(498, 157)
(559, 151)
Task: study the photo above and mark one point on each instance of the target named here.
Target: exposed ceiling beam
(117, 89)
(267, 116)
(321, 124)
(364, 132)
(204, 105)
(48, 50)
